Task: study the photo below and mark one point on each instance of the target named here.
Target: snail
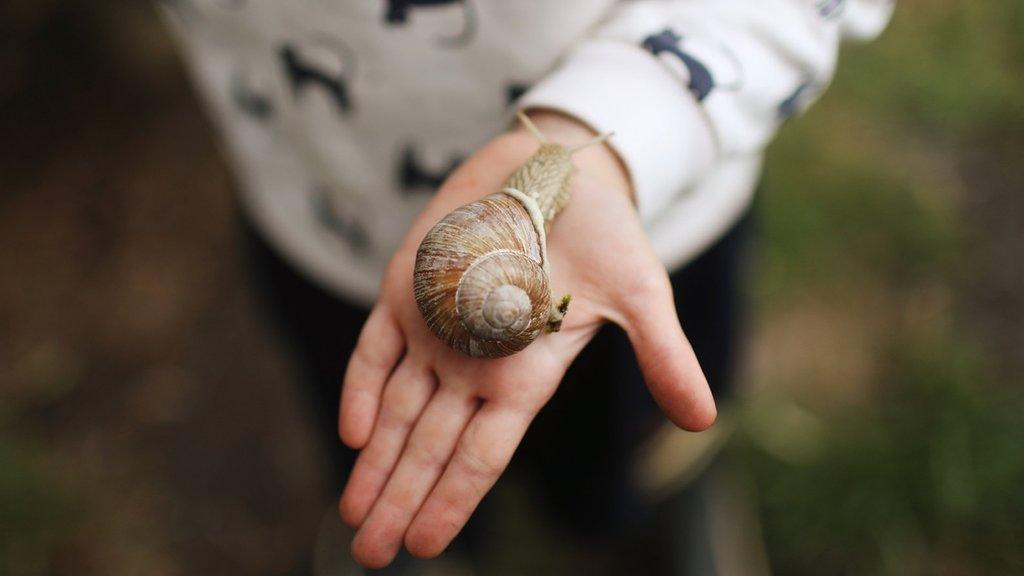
(481, 278)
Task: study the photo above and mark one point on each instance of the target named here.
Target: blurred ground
(148, 423)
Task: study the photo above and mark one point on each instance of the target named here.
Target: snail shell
(480, 281)
(481, 277)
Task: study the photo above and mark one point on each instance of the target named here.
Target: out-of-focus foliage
(885, 441)
(943, 67)
(925, 482)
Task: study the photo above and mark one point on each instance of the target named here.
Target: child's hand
(436, 427)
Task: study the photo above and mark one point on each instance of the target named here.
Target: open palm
(436, 427)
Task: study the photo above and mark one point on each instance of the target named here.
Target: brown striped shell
(479, 279)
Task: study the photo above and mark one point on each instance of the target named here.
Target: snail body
(481, 278)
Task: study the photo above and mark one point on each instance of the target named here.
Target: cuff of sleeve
(661, 133)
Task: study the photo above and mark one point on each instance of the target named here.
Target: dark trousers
(580, 446)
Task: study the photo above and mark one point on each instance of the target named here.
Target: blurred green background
(888, 436)
(883, 430)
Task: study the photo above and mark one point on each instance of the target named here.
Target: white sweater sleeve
(684, 83)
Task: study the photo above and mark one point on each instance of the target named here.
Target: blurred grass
(945, 68)
(864, 196)
(924, 482)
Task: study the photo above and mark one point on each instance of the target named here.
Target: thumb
(666, 358)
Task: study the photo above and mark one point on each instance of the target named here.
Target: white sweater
(341, 117)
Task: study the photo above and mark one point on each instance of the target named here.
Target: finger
(483, 453)
(429, 448)
(666, 358)
(406, 395)
(379, 347)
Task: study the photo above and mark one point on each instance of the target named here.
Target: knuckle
(392, 419)
(371, 352)
(643, 290)
(651, 284)
(372, 464)
(478, 463)
(454, 507)
(355, 392)
(402, 401)
(424, 454)
(365, 358)
(404, 498)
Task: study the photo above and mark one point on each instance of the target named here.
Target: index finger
(483, 453)
(378, 350)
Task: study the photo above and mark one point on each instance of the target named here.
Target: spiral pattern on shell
(479, 279)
